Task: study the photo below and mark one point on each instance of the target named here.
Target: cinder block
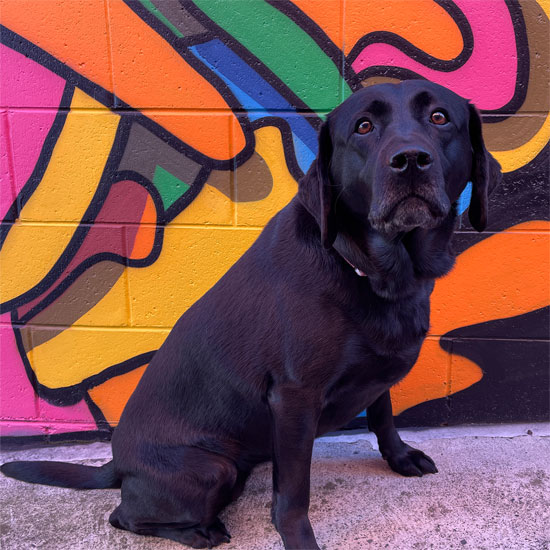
(511, 384)
(191, 261)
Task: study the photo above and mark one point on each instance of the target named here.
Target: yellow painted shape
(112, 309)
(516, 158)
(191, 262)
(78, 353)
(28, 254)
(76, 165)
(210, 206)
(269, 146)
(545, 5)
(65, 192)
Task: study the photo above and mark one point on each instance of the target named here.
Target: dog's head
(396, 157)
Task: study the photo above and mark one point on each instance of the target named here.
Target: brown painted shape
(179, 17)
(26, 338)
(111, 396)
(518, 130)
(78, 299)
(144, 151)
(379, 80)
(252, 181)
(223, 181)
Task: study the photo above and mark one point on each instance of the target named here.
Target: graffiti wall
(145, 143)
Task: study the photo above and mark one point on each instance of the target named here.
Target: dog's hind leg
(179, 505)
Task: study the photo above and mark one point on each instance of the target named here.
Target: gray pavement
(492, 492)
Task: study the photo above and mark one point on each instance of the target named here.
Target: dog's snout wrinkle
(403, 160)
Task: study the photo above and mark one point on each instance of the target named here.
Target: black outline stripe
(522, 75)
(18, 442)
(70, 395)
(41, 164)
(78, 236)
(415, 53)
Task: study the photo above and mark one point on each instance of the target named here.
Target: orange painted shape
(73, 31)
(328, 14)
(423, 23)
(149, 73)
(428, 379)
(505, 275)
(146, 70)
(111, 396)
(464, 373)
(145, 236)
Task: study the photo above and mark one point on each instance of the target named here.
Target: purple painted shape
(25, 84)
(488, 78)
(22, 412)
(125, 203)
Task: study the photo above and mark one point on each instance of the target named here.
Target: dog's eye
(439, 118)
(364, 126)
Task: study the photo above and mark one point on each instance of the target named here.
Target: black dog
(318, 319)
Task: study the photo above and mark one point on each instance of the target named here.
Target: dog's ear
(485, 176)
(316, 189)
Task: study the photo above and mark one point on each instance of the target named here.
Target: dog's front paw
(410, 462)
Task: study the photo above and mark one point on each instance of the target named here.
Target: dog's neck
(394, 265)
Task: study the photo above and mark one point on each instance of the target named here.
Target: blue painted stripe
(465, 198)
(255, 94)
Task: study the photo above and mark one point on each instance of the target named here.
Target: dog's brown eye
(364, 127)
(439, 118)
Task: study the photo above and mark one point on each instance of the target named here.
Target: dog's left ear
(316, 189)
(485, 176)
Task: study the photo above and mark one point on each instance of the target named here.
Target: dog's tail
(63, 474)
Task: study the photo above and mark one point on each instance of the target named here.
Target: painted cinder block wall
(145, 143)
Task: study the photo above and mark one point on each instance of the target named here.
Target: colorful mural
(145, 143)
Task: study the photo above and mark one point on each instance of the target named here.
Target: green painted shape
(157, 13)
(169, 187)
(283, 47)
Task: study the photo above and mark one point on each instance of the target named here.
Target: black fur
(292, 342)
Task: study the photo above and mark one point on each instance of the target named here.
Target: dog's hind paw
(410, 462)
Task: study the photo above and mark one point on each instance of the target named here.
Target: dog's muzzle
(409, 192)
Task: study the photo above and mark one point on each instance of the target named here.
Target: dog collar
(356, 269)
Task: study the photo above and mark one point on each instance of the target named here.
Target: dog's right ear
(316, 189)
(486, 173)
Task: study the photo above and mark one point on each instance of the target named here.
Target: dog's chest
(379, 350)
(362, 377)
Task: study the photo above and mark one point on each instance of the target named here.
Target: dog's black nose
(418, 158)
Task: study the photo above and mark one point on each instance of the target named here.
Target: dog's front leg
(402, 458)
(295, 414)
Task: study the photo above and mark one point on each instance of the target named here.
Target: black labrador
(319, 318)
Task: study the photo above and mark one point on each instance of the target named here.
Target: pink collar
(356, 269)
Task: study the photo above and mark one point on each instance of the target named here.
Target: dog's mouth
(412, 211)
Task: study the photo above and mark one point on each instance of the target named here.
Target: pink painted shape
(17, 398)
(20, 408)
(7, 195)
(25, 84)
(25, 429)
(488, 78)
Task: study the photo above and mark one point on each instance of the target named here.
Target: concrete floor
(492, 492)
